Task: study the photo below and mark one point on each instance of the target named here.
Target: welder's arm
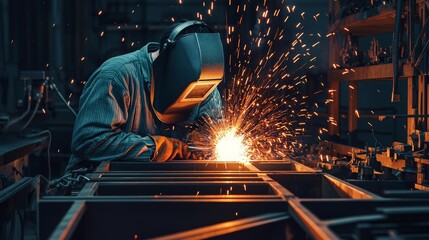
(98, 134)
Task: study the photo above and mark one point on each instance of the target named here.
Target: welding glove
(167, 149)
(198, 139)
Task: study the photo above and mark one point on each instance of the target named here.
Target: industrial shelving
(369, 22)
(412, 64)
(372, 72)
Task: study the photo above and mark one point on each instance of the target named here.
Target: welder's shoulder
(119, 62)
(120, 69)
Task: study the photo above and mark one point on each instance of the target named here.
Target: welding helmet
(185, 72)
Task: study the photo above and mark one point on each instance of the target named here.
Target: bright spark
(230, 146)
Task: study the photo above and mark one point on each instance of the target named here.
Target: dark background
(70, 39)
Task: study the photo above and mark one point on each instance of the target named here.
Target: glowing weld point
(230, 146)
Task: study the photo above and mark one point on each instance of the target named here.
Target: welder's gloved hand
(167, 149)
(198, 139)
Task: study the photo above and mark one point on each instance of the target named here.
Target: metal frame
(130, 186)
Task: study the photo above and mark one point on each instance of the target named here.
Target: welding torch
(202, 149)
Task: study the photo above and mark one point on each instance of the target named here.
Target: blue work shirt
(115, 116)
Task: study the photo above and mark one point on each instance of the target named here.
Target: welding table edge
(11, 150)
(104, 166)
(119, 182)
(178, 172)
(169, 178)
(171, 198)
(148, 174)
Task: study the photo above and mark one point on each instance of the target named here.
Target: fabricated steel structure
(218, 200)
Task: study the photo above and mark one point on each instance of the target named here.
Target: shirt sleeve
(98, 132)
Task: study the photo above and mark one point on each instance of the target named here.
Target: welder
(138, 106)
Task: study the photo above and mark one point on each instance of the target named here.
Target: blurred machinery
(34, 93)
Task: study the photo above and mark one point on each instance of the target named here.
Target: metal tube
(57, 48)
(396, 49)
(422, 54)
